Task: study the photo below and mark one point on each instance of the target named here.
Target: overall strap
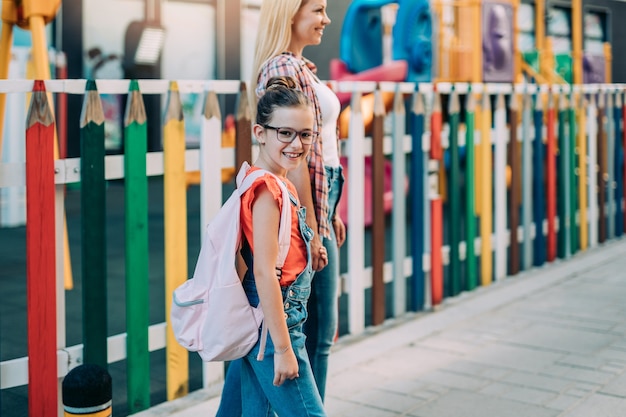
(244, 182)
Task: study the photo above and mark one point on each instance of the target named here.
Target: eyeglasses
(287, 134)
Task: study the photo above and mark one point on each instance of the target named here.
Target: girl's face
(280, 157)
(309, 23)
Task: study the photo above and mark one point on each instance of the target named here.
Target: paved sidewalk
(549, 342)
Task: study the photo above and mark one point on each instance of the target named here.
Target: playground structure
(494, 230)
(539, 41)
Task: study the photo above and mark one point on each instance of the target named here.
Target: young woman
(283, 382)
(286, 27)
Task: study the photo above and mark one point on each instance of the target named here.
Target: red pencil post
(40, 256)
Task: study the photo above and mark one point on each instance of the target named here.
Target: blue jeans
(248, 389)
(321, 325)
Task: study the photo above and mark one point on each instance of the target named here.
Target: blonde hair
(273, 35)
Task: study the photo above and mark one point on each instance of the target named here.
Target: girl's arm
(265, 223)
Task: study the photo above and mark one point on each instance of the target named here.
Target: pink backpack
(210, 312)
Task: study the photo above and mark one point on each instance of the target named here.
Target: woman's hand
(340, 230)
(285, 367)
(318, 254)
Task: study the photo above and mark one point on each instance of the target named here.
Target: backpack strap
(244, 182)
(284, 230)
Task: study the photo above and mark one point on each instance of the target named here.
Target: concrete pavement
(548, 342)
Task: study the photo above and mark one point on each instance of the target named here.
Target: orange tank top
(297, 255)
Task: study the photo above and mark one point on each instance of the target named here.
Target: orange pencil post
(436, 153)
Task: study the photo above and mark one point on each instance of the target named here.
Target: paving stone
(585, 375)
(598, 405)
(463, 404)
(612, 353)
(352, 381)
(386, 400)
(446, 344)
(401, 386)
(452, 380)
(516, 357)
(545, 383)
(340, 408)
(478, 369)
(565, 340)
(583, 361)
(529, 395)
(497, 389)
(410, 362)
(616, 387)
(563, 402)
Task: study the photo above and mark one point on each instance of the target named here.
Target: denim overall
(294, 398)
(321, 325)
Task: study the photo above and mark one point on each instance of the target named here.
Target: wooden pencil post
(378, 213)
(211, 143)
(243, 132)
(137, 254)
(471, 274)
(40, 256)
(551, 179)
(592, 170)
(526, 178)
(539, 198)
(600, 177)
(93, 227)
(562, 179)
(175, 219)
(454, 195)
(356, 216)
(436, 232)
(572, 170)
(398, 217)
(609, 170)
(623, 139)
(515, 187)
(499, 188)
(486, 200)
(581, 144)
(616, 192)
(417, 193)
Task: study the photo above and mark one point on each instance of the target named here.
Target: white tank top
(330, 108)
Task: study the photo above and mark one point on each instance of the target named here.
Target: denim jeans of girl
(321, 325)
(249, 389)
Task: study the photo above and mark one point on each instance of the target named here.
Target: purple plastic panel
(497, 34)
(593, 69)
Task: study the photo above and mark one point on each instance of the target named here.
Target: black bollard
(87, 391)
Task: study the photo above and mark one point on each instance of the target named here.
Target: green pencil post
(93, 228)
(137, 267)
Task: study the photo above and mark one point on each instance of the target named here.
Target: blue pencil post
(617, 165)
(417, 202)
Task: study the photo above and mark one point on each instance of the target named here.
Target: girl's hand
(285, 367)
(340, 230)
(318, 262)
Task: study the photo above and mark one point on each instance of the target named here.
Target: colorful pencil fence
(493, 227)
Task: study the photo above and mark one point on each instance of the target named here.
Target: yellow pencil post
(6, 40)
(175, 224)
(33, 15)
(486, 203)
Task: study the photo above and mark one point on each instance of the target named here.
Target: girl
(283, 382)
(286, 27)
